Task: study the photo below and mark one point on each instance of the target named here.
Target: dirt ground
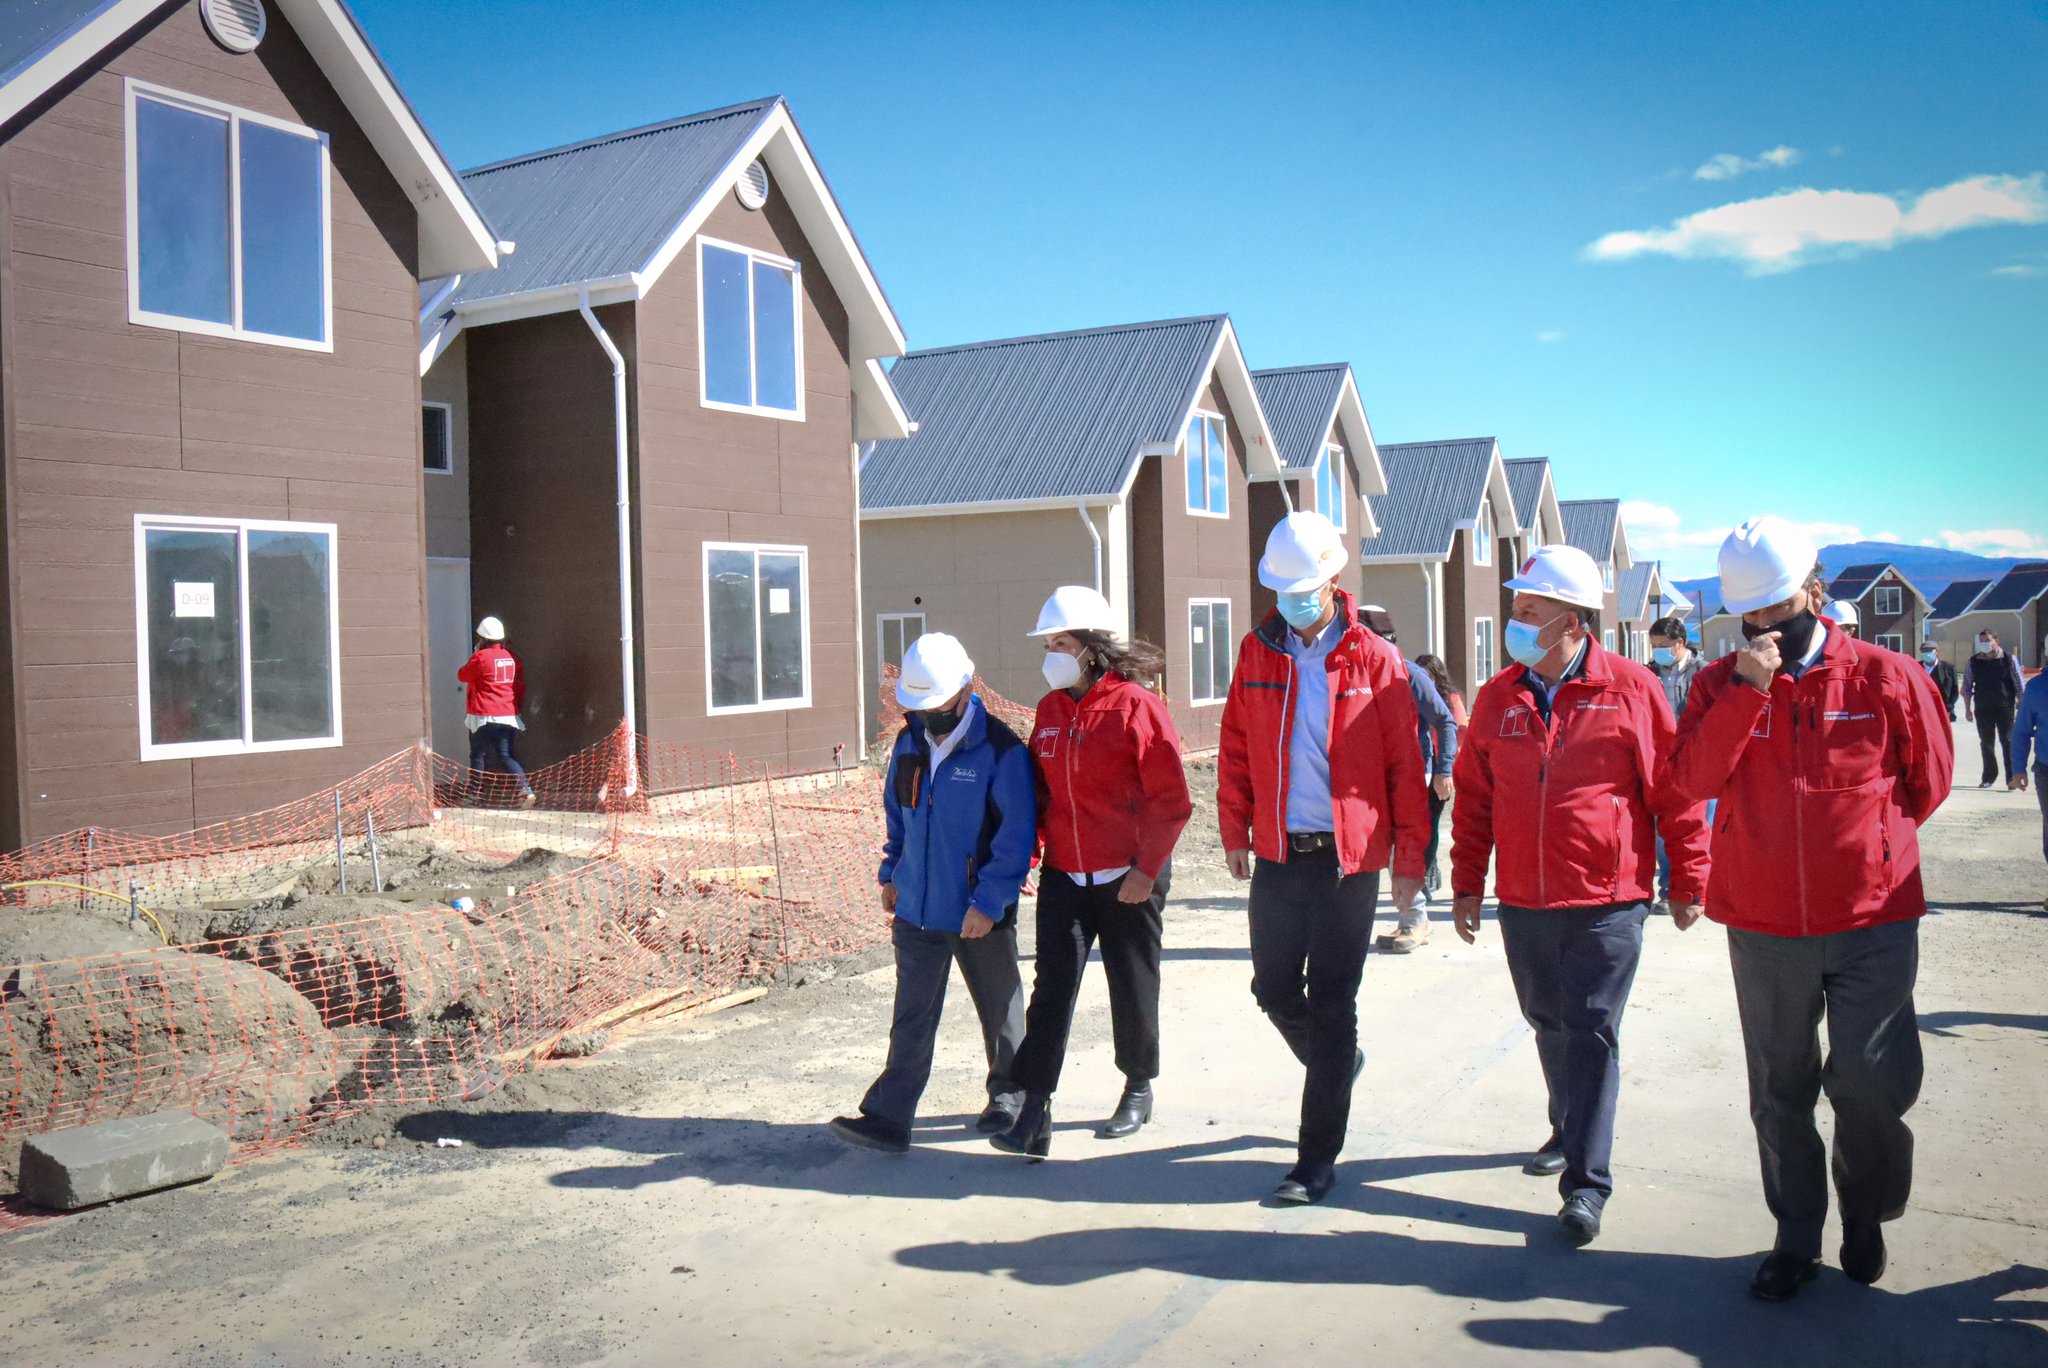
(676, 1198)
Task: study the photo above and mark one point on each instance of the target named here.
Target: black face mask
(1795, 634)
(938, 721)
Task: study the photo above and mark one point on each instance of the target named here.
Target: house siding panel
(1201, 557)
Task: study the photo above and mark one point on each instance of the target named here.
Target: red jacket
(497, 683)
(1111, 789)
(1569, 809)
(1823, 783)
(1379, 795)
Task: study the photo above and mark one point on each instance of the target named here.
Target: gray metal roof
(1589, 525)
(1300, 403)
(1856, 579)
(29, 29)
(2019, 587)
(1955, 600)
(1431, 488)
(1525, 482)
(1054, 416)
(1632, 589)
(601, 208)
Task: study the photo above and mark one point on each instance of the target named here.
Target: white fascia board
(1227, 364)
(1503, 496)
(50, 70)
(1622, 559)
(453, 236)
(433, 344)
(1357, 429)
(554, 299)
(1066, 506)
(1548, 513)
(879, 414)
(1137, 461)
(1406, 558)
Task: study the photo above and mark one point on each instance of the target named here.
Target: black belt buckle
(1308, 842)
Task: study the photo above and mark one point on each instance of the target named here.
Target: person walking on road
(1674, 662)
(1558, 786)
(962, 819)
(1991, 694)
(1112, 800)
(1830, 754)
(1319, 786)
(1945, 682)
(2030, 741)
(495, 682)
(1437, 728)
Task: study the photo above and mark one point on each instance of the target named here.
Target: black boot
(1032, 1135)
(1133, 1110)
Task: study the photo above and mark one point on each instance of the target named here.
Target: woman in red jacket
(496, 690)
(1112, 799)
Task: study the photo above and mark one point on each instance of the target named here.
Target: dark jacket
(1944, 676)
(1994, 683)
(962, 836)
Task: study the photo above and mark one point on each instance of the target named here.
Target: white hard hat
(934, 669)
(1842, 611)
(1763, 562)
(1075, 608)
(490, 629)
(1561, 572)
(1303, 552)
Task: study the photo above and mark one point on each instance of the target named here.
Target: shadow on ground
(1945, 1023)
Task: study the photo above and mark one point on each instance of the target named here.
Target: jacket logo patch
(1364, 690)
(1762, 726)
(1515, 721)
(964, 774)
(1048, 738)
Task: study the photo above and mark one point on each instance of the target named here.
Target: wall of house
(2018, 632)
(1400, 589)
(1266, 505)
(1905, 623)
(708, 475)
(106, 420)
(1471, 591)
(1200, 557)
(448, 495)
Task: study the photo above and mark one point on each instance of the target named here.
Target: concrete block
(86, 1165)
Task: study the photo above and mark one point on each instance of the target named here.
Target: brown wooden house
(1538, 521)
(1891, 612)
(1594, 526)
(651, 413)
(1325, 445)
(213, 220)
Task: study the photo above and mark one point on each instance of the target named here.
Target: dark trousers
(1994, 738)
(1573, 968)
(1309, 930)
(1863, 981)
(1436, 822)
(1071, 919)
(490, 746)
(924, 962)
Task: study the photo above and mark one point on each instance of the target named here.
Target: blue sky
(1419, 190)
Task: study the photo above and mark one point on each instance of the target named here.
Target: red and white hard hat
(1764, 561)
(1075, 608)
(934, 669)
(1561, 572)
(1304, 551)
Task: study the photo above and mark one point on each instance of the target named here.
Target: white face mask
(1061, 670)
(1984, 644)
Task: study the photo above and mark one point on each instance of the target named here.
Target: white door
(448, 637)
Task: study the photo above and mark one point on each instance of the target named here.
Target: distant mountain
(1931, 568)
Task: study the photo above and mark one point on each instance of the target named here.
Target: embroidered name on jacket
(1599, 707)
(1848, 717)
(964, 774)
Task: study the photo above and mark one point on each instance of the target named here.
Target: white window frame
(1894, 641)
(1485, 650)
(1897, 594)
(1194, 699)
(236, 117)
(1483, 530)
(1607, 639)
(188, 750)
(448, 416)
(1607, 576)
(803, 555)
(1330, 466)
(1206, 416)
(796, 323)
(882, 618)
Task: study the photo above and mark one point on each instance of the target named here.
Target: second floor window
(1208, 462)
(1330, 485)
(1891, 600)
(752, 347)
(1482, 535)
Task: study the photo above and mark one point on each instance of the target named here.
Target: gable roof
(1857, 580)
(44, 42)
(1526, 477)
(1634, 589)
(1433, 489)
(1301, 403)
(1957, 599)
(1594, 526)
(1054, 418)
(2017, 588)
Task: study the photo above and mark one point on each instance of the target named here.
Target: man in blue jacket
(2030, 741)
(963, 820)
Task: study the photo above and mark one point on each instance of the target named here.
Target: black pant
(1994, 736)
(1863, 981)
(1071, 918)
(1573, 968)
(924, 963)
(1309, 929)
(493, 742)
(1436, 823)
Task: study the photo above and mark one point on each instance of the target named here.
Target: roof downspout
(625, 502)
(428, 309)
(1089, 523)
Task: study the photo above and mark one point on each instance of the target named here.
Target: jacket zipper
(1799, 819)
(1074, 754)
(1543, 801)
(1617, 845)
(1281, 756)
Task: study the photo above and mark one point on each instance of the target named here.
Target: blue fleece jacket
(962, 836)
(2030, 725)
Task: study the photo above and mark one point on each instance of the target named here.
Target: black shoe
(1031, 1136)
(1863, 1256)
(1357, 1064)
(1547, 1162)
(1302, 1185)
(1580, 1219)
(1780, 1276)
(996, 1116)
(872, 1132)
(1133, 1110)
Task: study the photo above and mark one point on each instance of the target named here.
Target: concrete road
(677, 1200)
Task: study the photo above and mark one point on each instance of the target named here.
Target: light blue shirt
(1308, 745)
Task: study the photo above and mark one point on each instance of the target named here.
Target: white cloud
(1551, 335)
(1795, 228)
(1659, 532)
(1727, 166)
(2020, 272)
(2004, 541)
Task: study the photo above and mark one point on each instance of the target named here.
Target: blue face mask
(1523, 641)
(1300, 611)
(1663, 655)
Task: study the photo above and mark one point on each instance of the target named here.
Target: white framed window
(1330, 484)
(1484, 659)
(750, 331)
(1607, 638)
(1892, 641)
(893, 634)
(1207, 454)
(437, 437)
(1607, 576)
(1482, 534)
(237, 636)
(1891, 600)
(1211, 650)
(757, 627)
(228, 219)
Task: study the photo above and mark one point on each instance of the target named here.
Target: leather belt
(1304, 842)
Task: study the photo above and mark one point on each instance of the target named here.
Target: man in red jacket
(1320, 775)
(1827, 754)
(1557, 782)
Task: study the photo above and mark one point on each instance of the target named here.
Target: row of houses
(1894, 613)
(287, 402)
